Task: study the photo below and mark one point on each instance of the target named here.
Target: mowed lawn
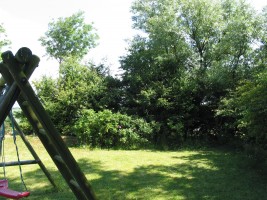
(146, 174)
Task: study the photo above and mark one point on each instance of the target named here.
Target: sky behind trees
(26, 21)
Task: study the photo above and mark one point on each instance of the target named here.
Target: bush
(105, 129)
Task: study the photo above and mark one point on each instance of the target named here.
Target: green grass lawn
(116, 174)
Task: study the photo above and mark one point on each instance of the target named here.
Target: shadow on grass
(212, 175)
(207, 175)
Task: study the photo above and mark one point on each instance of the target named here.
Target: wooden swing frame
(16, 70)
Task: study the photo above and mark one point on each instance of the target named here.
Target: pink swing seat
(5, 192)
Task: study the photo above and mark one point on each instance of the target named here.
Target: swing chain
(2, 148)
(2, 133)
(17, 149)
(3, 91)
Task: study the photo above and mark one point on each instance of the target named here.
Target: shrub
(105, 129)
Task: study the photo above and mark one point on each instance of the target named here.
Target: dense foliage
(193, 53)
(108, 130)
(246, 106)
(77, 87)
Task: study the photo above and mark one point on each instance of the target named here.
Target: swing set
(14, 86)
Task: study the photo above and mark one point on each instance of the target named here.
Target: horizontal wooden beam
(15, 163)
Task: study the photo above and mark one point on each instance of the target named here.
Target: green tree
(77, 87)
(69, 36)
(192, 54)
(244, 109)
(112, 94)
(247, 107)
(260, 56)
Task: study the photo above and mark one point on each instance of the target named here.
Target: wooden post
(34, 154)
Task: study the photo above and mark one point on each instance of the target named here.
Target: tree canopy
(193, 53)
(69, 36)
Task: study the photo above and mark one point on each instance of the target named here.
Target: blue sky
(26, 21)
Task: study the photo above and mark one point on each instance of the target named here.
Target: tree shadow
(215, 175)
(206, 175)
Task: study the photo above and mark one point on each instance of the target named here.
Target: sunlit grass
(117, 174)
